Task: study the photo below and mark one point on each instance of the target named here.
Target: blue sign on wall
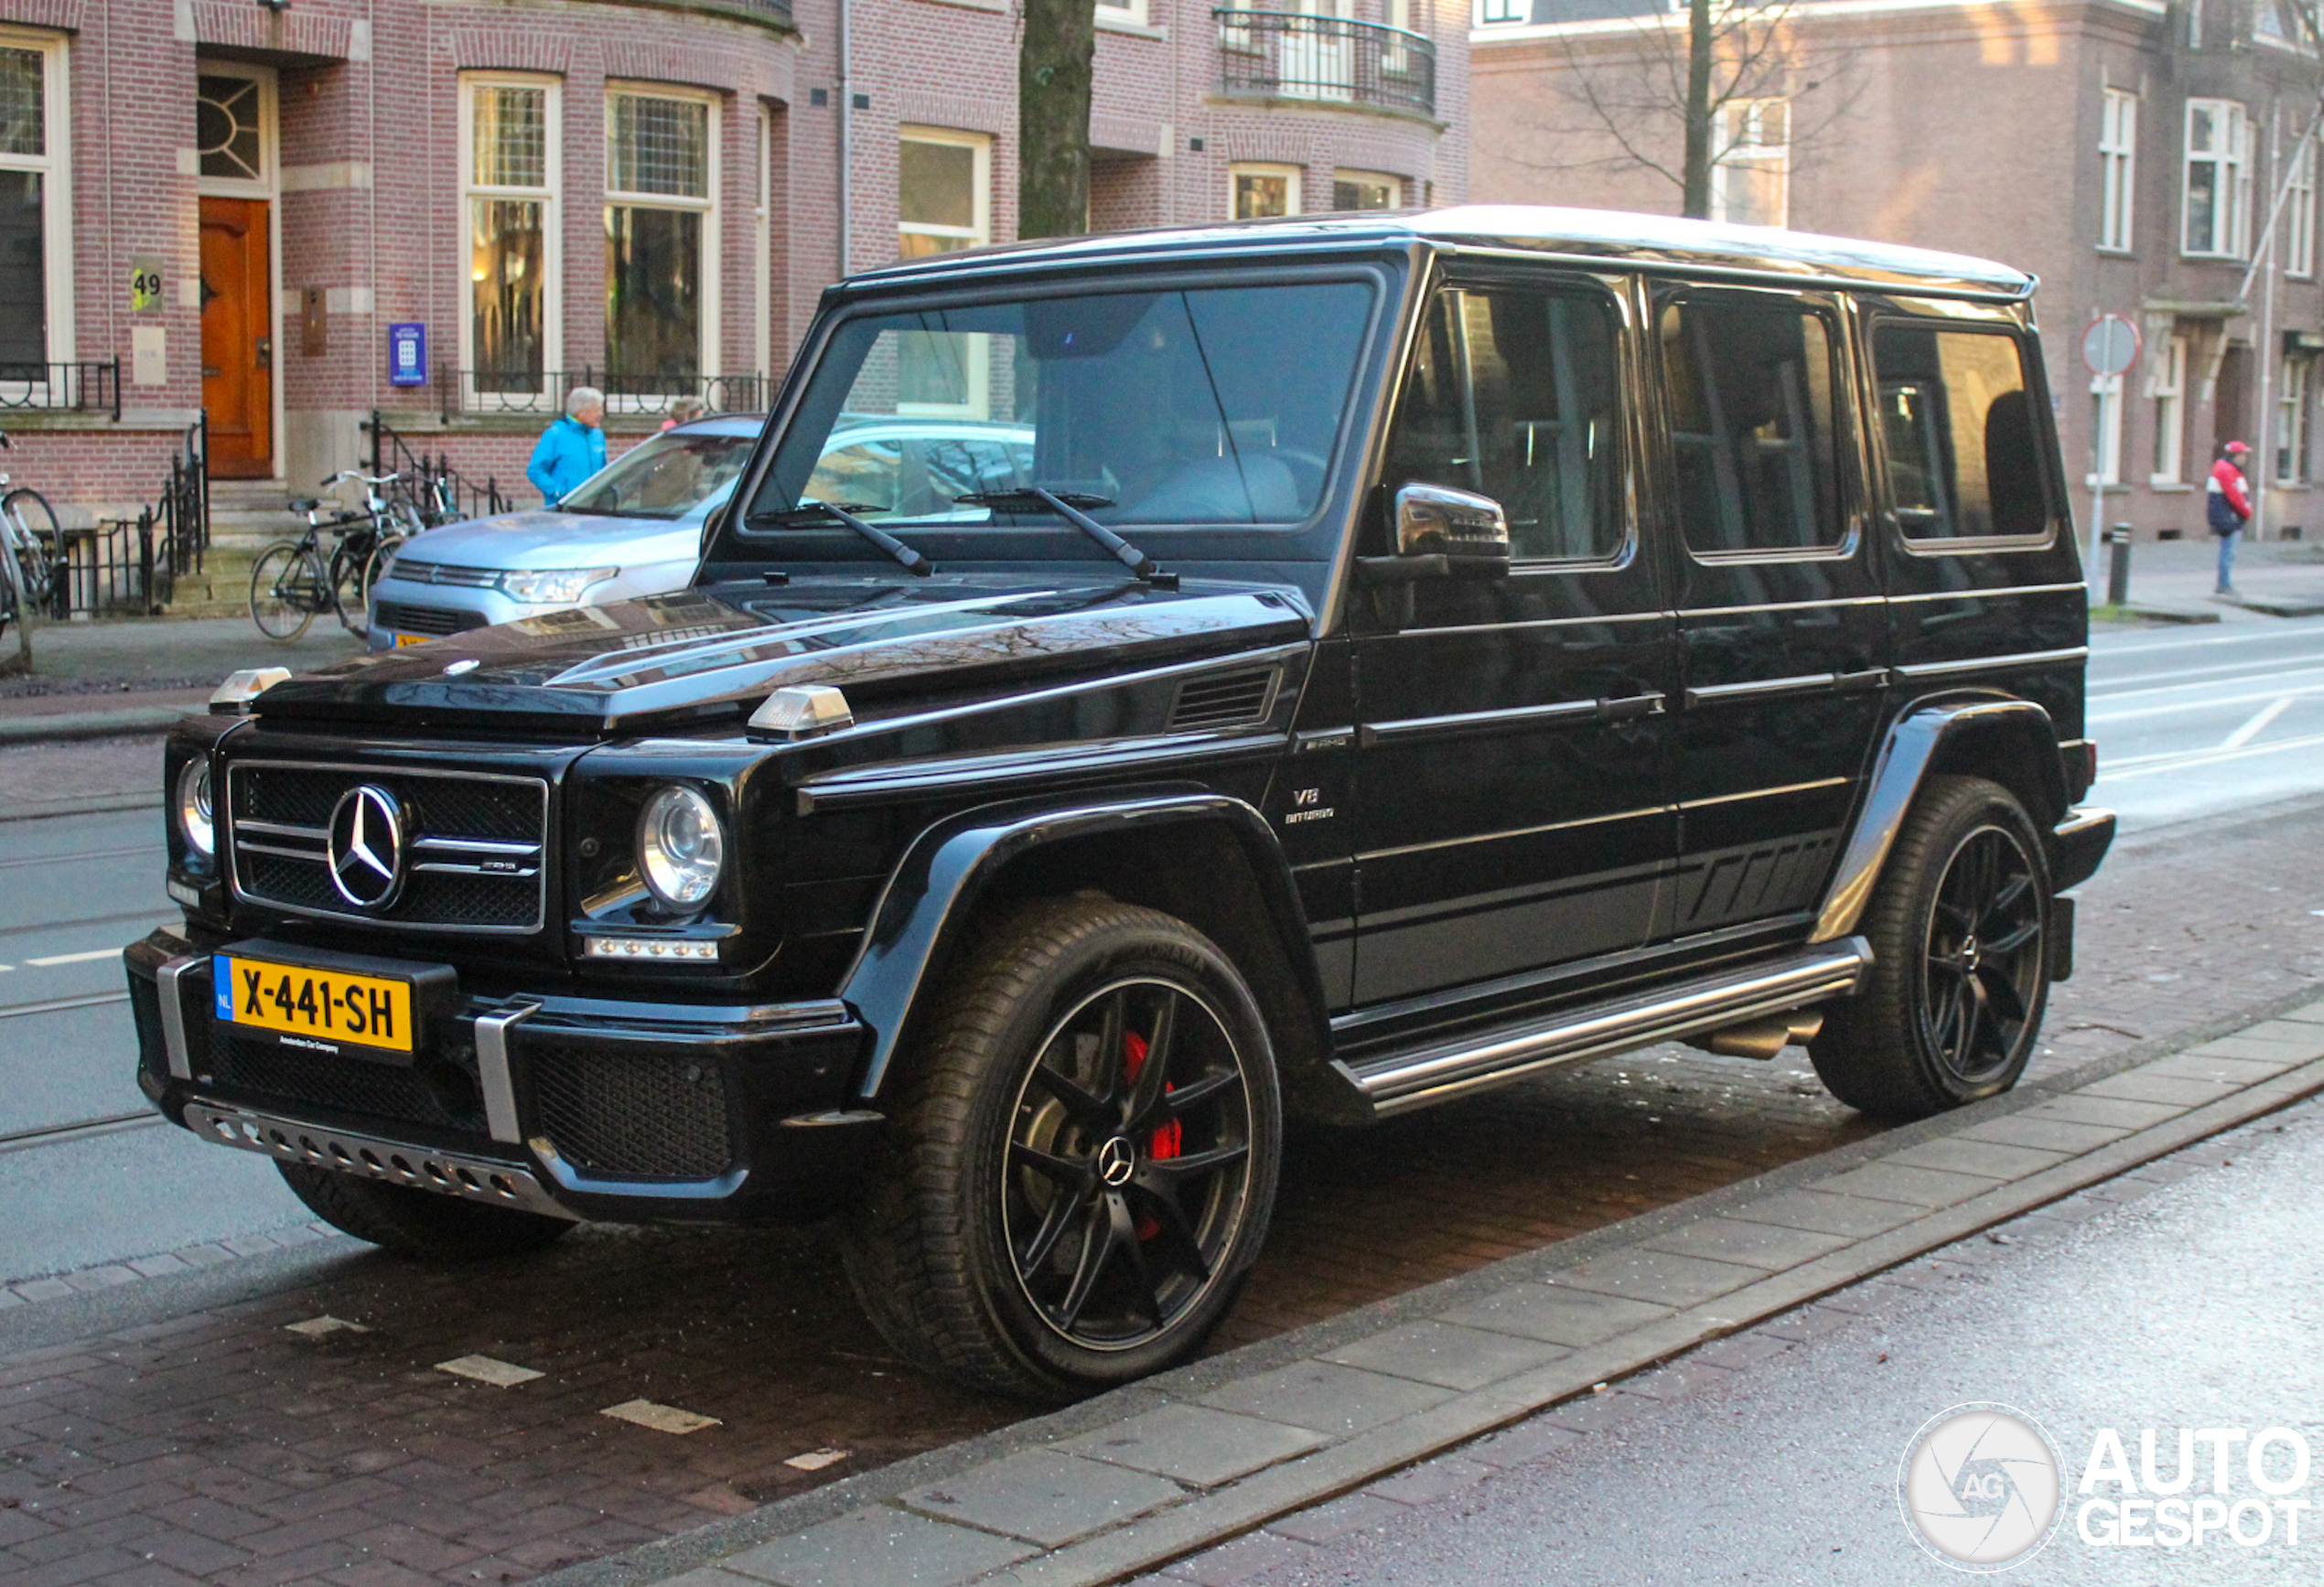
(407, 355)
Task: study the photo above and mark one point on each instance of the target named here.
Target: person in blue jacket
(570, 449)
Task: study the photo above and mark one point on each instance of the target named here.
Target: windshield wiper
(1068, 506)
(910, 560)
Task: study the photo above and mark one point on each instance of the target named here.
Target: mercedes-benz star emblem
(367, 847)
(1117, 1160)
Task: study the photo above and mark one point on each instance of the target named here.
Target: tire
(1960, 934)
(418, 1223)
(348, 589)
(40, 542)
(1045, 1224)
(286, 590)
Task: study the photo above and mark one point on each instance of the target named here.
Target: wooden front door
(237, 338)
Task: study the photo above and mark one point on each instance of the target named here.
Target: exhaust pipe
(1761, 1038)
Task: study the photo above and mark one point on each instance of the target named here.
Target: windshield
(667, 476)
(1214, 406)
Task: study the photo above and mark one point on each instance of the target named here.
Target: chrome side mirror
(1437, 520)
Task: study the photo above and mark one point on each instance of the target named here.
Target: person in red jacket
(2228, 503)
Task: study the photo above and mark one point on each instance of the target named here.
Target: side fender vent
(1228, 700)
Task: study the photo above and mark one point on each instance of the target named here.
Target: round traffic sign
(2110, 346)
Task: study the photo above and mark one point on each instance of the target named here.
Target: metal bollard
(2118, 564)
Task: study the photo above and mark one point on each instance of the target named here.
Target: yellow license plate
(322, 1007)
(404, 640)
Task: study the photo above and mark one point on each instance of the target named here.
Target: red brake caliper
(1166, 1140)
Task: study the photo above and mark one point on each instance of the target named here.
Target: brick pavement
(218, 1447)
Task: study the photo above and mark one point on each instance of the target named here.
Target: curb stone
(2153, 1098)
(121, 722)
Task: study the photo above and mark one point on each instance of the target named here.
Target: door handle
(1632, 708)
(266, 353)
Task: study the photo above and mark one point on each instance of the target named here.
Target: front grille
(1236, 700)
(436, 1093)
(618, 1115)
(436, 620)
(444, 573)
(474, 861)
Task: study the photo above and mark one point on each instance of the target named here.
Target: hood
(544, 538)
(705, 657)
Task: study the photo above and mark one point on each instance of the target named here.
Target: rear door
(1782, 625)
(1508, 803)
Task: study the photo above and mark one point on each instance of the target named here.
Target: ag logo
(1979, 1487)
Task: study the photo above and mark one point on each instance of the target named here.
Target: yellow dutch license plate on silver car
(404, 640)
(326, 1005)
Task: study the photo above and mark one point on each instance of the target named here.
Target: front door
(1510, 812)
(237, 338)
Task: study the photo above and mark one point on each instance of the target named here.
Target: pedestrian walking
(572, 448)
(2228, 501)
(684, 411)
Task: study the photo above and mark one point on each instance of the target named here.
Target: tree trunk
(1053, 117)
(1696, 196)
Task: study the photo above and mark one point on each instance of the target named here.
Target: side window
(1515, 394)
(1750, 390)
(1958, 426)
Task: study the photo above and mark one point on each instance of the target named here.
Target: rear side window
(1958, 426)
(1749, 386)
(1515, 394)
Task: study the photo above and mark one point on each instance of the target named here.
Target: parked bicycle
(31, 542)
(294, 580)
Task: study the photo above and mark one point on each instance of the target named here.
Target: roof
(1654, 241)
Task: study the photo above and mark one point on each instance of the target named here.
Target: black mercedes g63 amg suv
(1337, 666)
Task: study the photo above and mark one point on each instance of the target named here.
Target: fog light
(661, 948)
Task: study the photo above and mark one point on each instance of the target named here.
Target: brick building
(2128, 152)
(240, 205)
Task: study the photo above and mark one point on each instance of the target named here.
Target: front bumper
(622, 1111)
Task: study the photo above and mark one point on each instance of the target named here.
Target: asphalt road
(2189, 722)
(2192, 721)
(2194, 1307)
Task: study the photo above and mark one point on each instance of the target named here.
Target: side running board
(1422, 1077)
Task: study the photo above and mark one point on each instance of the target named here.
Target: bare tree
(1634, 90)
(1053, 67)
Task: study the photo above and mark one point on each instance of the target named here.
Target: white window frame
(707, 357)
(1292, 198)
(2169, 392)
(2232, 212)
(1503, 13)
(2299, 212)
(980, 228)
(55, 165)
(1122, 13)
(2295, 409)
(550, 196)
(1397, 185)
(2117, 169)
(2105, 431)
(1741, 127)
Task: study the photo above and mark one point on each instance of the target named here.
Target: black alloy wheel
(1084, 1133)
(1959, 927)
(1128, 1164)
(1983, 963)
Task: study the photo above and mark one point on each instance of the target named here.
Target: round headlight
(196, 822)
(680, 849)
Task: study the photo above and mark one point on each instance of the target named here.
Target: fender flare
(1910, 747)
(949, 867)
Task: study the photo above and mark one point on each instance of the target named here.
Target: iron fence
(542, 392)
(121, 567)
(1328, 59)
(81, 388)
(430, 483)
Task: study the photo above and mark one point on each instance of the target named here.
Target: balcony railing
(542, 392)
(1328, 59)
(82, 388)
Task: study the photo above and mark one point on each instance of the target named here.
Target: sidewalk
(2175, 580)
(94, 680)
(1137, 1479)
